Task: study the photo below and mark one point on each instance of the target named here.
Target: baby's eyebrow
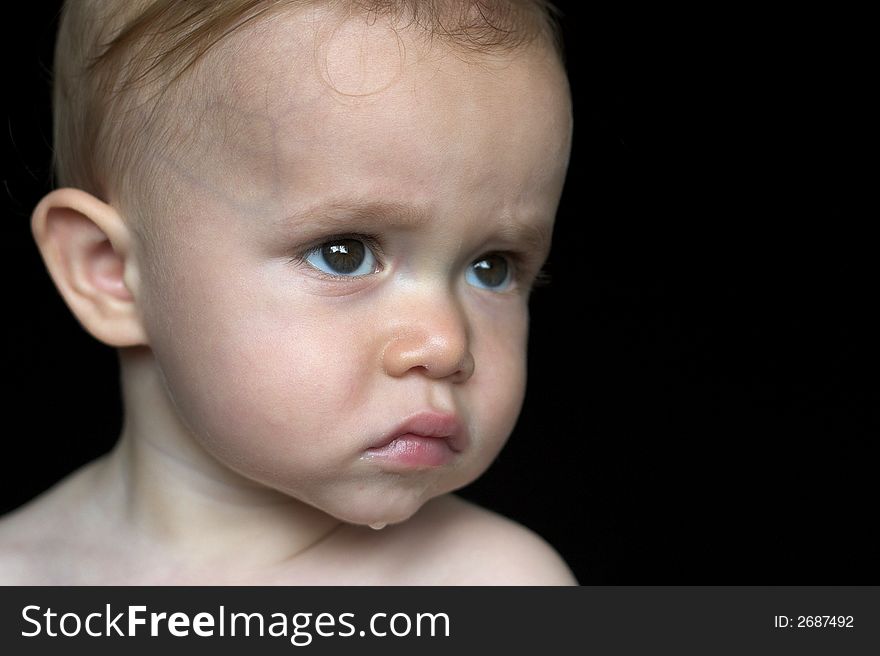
(533, 238)
(366, 213)
(350, 214)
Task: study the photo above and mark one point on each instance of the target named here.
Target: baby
(310, 229)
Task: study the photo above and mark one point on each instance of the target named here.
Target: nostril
(462, 370)
(432, 356)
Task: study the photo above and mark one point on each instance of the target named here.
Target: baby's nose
(434, 341)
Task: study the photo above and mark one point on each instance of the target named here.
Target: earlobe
(87, 250)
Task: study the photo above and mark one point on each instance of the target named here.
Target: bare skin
(254, 383)
(62, 539)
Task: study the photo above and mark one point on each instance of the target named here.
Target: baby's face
(355, 238)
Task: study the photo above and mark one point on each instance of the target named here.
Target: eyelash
(520, 262)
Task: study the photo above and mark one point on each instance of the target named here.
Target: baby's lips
(429, 424)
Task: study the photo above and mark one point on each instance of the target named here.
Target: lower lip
(415, 451)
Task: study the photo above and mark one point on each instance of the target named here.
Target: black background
(702, 400)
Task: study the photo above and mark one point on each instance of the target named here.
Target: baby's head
(311, 228)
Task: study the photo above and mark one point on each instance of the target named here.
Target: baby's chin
(369, 497)
(376, 507)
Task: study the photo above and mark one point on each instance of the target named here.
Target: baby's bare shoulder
(465, 544)
(20, 551)
(36, 538)
(16, 568)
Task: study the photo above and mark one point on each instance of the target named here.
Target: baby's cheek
(279, 392)
(506, 346)
(499, 381)
(509, 386)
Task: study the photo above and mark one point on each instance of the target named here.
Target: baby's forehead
(295, 62)
(300, 56)
(294, 83)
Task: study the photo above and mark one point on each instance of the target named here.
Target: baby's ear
(87, 249)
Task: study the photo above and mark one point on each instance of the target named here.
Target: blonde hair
(116, 61)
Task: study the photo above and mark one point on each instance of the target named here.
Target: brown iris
(491, 270)
(344, 255)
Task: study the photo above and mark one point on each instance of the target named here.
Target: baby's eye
(492, 272)
(343, 257)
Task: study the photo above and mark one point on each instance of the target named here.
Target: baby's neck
(169, 496)
(171, 506)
